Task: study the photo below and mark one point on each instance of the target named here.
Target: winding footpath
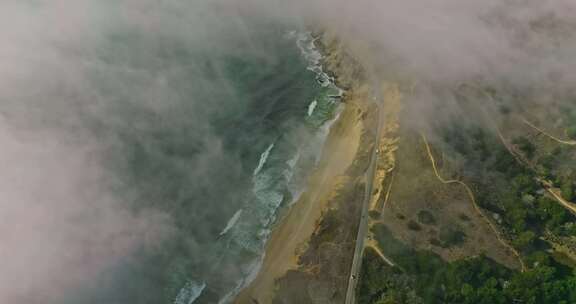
(548, 186)
(565, 142)
(555, 193)
(474, 204)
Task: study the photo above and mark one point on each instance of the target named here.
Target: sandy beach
(292, 232)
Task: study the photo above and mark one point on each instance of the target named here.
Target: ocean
(228, 148)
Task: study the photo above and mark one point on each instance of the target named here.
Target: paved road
(363, 226)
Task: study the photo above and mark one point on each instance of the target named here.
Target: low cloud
(78, 77)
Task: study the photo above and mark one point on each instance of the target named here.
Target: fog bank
(79, 77)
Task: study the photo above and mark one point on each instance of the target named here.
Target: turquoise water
(227, 148)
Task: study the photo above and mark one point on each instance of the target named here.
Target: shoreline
(290, 237)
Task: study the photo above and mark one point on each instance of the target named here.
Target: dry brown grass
(417, 188)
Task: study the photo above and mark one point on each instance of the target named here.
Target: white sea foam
(289, 172)
(263, 158)
(253, 271)
(252, 231)
(322, 133)
(307, 45)
(231, 222)
(312, 107)
(190, 292)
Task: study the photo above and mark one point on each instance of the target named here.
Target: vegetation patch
(464, 217)
(525, 146)
(374, 214)
(412, 225)
(426, 217)
(528, 218)
(436, 242)
(451, 235)
(423, 277)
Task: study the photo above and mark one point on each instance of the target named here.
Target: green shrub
(412, 225)
(525, 146)
(426, 217)
(571, 132)
(464, 217)
(567, 189)
(525, 241)
(451, 236)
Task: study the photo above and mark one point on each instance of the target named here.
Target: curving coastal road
(363, 226)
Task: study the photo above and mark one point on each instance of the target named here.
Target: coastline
(291, 236)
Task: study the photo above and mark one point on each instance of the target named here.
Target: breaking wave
(278, 177)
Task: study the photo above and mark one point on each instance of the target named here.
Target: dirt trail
(473, 200)
(555, 192)
(548, 186)
(565, 142)
(374, 245)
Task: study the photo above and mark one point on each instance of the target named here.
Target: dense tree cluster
(525, 145)
(423, 277)
(567, 189)
(570, 122)
(505, 187)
